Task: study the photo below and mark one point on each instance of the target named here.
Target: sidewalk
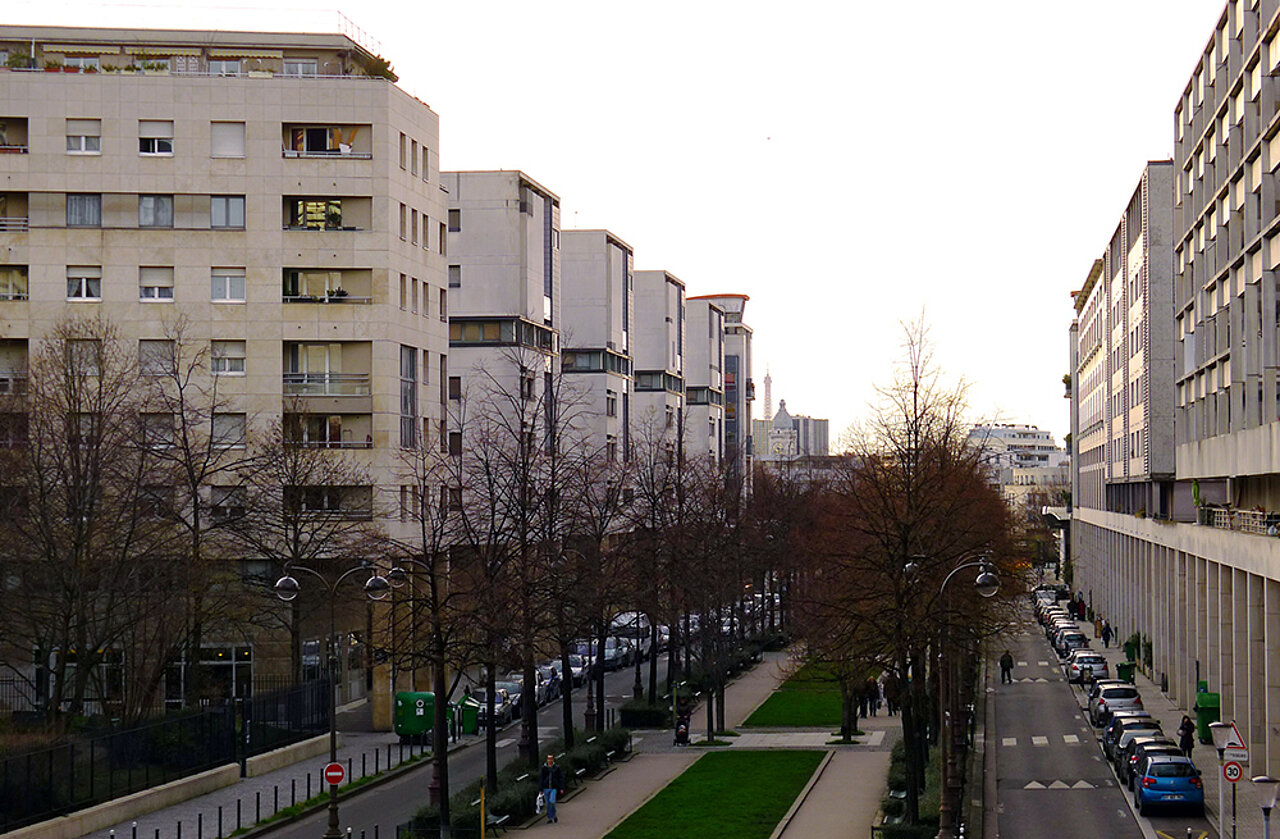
(841, 802)
(1248, 813)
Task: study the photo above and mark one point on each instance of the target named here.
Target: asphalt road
(377, 811)
(1052, 778)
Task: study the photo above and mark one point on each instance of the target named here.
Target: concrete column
(1211, 664)
(1256, 669)
(1268, 761)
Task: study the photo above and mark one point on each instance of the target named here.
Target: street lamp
(287, 589)
(1222, 732)
(986, 584)
(1266, 787)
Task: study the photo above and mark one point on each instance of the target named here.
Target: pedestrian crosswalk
(1042, 740)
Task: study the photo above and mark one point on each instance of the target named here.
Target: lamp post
(287, 589)
(1221, 731)
(1266, 787)
(986, 584)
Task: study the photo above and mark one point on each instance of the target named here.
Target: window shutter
(155, 128)
(84, 127)
(227, 139)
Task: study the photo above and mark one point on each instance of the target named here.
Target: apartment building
(704, 427)
(739, 389)
(504, 282)
(657, 405)
(1189, 560)
(598, 279)
(277, 190)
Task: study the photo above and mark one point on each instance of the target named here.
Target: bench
(496, 823)
(579, 775)
(608, 756)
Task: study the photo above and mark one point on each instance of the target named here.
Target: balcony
(13, 382)
(327, 142)
(307, 213)
(1256, 522)
(13, 135)
(349, 286)
(327, 384)
(338, 431)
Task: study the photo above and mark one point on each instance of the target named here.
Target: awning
(162, 51)
(245, 53)
(80, 49)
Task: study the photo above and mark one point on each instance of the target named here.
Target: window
(157, 431)
(301, 66)
(227, 285)
(455, 387)
(443, 237)
(455, 443)
(155, 283)
(84, 282)
(404, 221)
(228, 358)
(228, 431)
(455, 221)
(155, 358)
(610, 403)
(155, 137)
(84, 210)
(455, 276)
(404, 292)
(82, 62)
(404, 150)
(84, 356)
(413, 295)
(13, 282)
(84, 136)
(226, 139)
(413, 227)
(413, 157)
(226, 503)
(426, 170)
(224, 66)
(444, 305)
(426, 301)
(316, 214)
(155, 211)
(408, 396)
(226, 211)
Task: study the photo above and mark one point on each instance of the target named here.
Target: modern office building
(282, 194)
(597, 277)
(658, 338)
(704, 424)
(1188, 560)
(739, 389)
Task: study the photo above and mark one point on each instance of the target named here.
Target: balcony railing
(13, 149)
(12, 295)
(326, 384)
(332, 444)
(328, 298)
(15, 224)
(1247, 521)
(330, 153)
(12, 382)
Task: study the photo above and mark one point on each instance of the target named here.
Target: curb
(800, 799)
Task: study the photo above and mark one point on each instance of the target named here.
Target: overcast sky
(848, 165)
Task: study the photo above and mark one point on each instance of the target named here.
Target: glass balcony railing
(326, 384)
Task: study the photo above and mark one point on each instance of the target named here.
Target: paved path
(844, 800)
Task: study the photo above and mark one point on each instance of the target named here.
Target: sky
(852, 166)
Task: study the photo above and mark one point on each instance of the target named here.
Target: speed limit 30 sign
(1232, 771)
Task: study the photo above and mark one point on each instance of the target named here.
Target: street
(1052, 777)
(396, 801)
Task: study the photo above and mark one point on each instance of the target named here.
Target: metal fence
(89, 770)
(48, 782)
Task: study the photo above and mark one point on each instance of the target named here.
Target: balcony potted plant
(337, 293)
(52, 66)
(18, 61)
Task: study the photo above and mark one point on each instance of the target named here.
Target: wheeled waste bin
(1124, 671)
(1208, 710)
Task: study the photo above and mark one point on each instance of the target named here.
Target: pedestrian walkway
(1162, 708)
(841, 802)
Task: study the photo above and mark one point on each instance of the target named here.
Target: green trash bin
(470, 715)
(1124, 671)
(1208, 710)
(415, 715)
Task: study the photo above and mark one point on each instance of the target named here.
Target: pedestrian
(891, 693)
(862, 704)
(871, 688)
(1006, 668)
(550, 781)
(1106, 635)
(1186, 735)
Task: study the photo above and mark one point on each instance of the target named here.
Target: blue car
(1170, 780)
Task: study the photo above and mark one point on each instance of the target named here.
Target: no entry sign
(334, 773)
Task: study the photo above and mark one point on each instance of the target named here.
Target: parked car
(1126, 735)
(1112, 698)
(515, 693)
(503, 711)
(635, 627)
(1118, 727)
(1141, 747)
(1168, 780)
(578, 669)
(550, 672)
(1084, 662)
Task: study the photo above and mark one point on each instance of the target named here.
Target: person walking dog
(550, 781)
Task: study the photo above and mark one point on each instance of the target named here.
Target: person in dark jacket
(550, 781)
(1006, 668)
(1186, 735)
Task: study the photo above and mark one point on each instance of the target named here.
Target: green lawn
(806, 700)
(739, 794)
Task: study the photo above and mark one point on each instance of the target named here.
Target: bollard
(375, 831)
(388, 755)
(219, 821)
(362, 833)
(348, 833)
(179, 829)
(157, 833)
(308, 786)
(112, 833)
(377, 756)
(364, 770)
(199, 825)
(134, 830)
(293, 791)
(257, 806)
(349, 775)
(237, 813)
(275, 790)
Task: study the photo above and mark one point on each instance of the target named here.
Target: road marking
(1202, 835)
(1070, 738)
(1022, 664)
(1034, 785)
(1058, 785)
(1039, 741)
(1009, 741)
(503, 743)
(1083, 785)
(1043, 663)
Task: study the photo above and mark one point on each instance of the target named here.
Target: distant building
(789, 436)
(1024, 462)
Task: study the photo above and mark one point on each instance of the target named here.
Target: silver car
(1085, 662)
(1112, 698)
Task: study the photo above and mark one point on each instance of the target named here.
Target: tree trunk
(491, 733)
(529, 712)
(566, 696)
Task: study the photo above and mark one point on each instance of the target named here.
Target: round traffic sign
(334, 773)
(1232, 771)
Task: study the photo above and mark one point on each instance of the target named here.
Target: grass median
(740, 794)
(809, 699)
